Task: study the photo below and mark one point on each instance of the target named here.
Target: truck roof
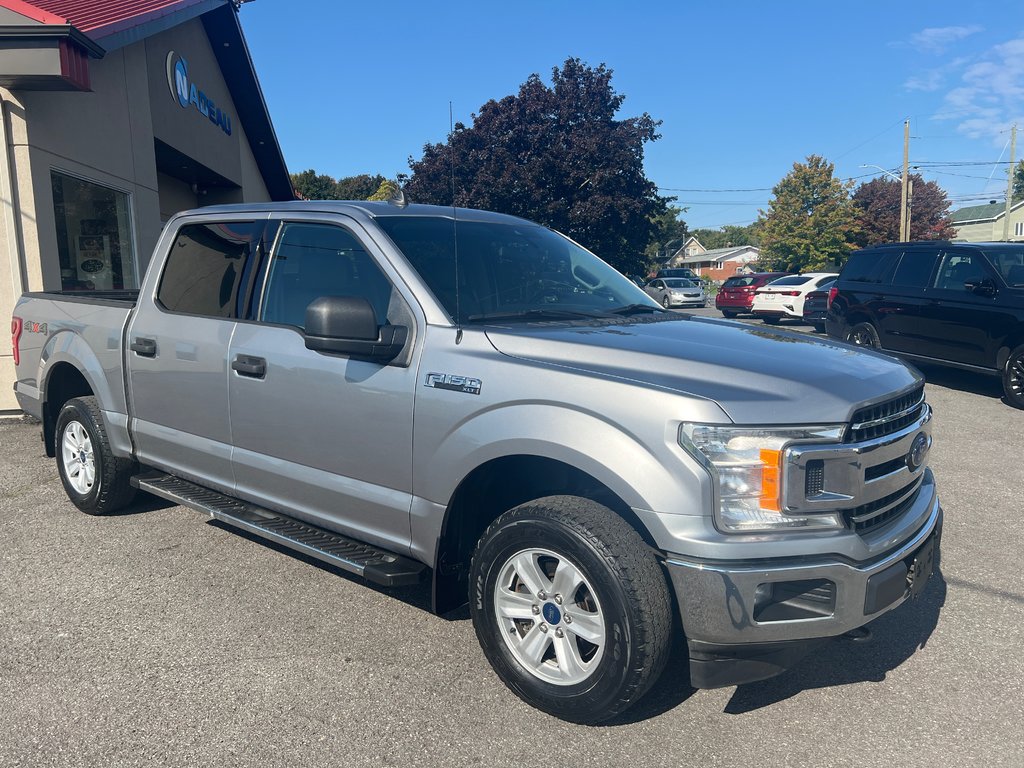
(373, 209)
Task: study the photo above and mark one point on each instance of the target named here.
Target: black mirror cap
(347, 325)
(341, 317)
(984, 287)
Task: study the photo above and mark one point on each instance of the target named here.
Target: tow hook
(858, 635)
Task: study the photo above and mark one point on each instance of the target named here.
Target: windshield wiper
(537, 314)
(632, 309)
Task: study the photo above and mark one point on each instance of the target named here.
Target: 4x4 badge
(453, 383)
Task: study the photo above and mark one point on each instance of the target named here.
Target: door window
(207, 270)
(957, 269)
(314, 260)
(914, 269)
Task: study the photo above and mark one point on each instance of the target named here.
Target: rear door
(178, 345)
(324, 437)
(898, 306)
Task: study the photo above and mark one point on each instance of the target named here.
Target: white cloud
(990, 93)
(934, 79)
(937, 39)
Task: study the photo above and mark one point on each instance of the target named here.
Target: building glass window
(94, 235)
(1018, 229)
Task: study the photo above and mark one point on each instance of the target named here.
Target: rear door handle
(253, 367)
(144, 347)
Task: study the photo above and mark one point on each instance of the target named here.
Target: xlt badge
(453, 383)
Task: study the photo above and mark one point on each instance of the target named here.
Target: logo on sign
(188, 95)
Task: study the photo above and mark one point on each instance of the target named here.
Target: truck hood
(756, 375)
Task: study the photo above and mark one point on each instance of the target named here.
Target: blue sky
(744, 89)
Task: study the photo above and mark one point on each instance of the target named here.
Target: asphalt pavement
(155, 637)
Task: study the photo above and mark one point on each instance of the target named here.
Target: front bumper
(745, 622)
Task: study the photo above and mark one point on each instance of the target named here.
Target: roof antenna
(455, 222)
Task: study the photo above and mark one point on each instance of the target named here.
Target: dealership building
(116, 115)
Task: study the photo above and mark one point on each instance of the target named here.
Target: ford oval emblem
(918, 450)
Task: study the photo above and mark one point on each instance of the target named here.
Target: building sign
(188, 95)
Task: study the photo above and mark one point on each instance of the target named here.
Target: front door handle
(143, 347)
(246, 365)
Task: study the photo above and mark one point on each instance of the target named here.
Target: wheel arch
(494, 487)
(64, 381)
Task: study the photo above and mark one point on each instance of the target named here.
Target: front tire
(666, 303)
(96, 481)
(864, 335)
(1013, 378)
(570, 607)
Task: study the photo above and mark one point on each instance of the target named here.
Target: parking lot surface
(155, 637)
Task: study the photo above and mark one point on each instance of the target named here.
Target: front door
(323, 437)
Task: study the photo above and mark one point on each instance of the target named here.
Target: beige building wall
(993, 229)
(107, 137)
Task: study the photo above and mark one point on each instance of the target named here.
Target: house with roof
(116, 115)
(718, 264)
(984, 223)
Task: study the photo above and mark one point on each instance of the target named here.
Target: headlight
(746, 464)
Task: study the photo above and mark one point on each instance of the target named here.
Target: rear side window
(208, 268)
(869, 266)
(314, 260)
(914, 269)
(736, 282)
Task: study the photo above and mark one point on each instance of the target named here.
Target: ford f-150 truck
(412, 392)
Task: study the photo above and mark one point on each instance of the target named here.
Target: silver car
(676, 292)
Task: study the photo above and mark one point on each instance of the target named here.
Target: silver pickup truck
(411, 392)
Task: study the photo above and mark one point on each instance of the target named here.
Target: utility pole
(910, 205)
(1009, 183)
(905, 195)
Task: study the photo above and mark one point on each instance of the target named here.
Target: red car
(737, 293)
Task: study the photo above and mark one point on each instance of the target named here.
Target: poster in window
(93, 262)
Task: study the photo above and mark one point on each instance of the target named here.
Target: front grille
(886, 418)
(867, 517)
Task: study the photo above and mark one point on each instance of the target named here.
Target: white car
(676, 292)
(785, 297)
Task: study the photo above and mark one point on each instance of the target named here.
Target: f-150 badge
(453, 383)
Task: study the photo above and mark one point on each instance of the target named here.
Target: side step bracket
(375, 565)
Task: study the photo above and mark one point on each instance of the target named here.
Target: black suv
(959, 304)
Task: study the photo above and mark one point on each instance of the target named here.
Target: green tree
(728, 236)
(385, 189)
(361, 187)
(670, 232)
(310, 185)
(555, 154)
(1018, 181)
(810, 223)
(878, 203)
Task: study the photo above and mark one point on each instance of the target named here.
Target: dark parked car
(737, 293)
(816, 306)
(958, 304)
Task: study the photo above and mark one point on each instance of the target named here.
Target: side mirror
(347, 325)
(983, 287)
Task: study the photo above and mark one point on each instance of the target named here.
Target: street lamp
(904, 210)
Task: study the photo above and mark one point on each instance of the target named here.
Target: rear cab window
(209, 269)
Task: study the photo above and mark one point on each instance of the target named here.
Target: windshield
(510, 270)
(795, 280)
(679, 282)
(1010, 263)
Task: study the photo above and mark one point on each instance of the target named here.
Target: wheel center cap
(551, 613)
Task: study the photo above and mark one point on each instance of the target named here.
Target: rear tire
(770, 320)
(1013, 378)
(96, 481)
(729, 313)
(864, 335)
(570, 607)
